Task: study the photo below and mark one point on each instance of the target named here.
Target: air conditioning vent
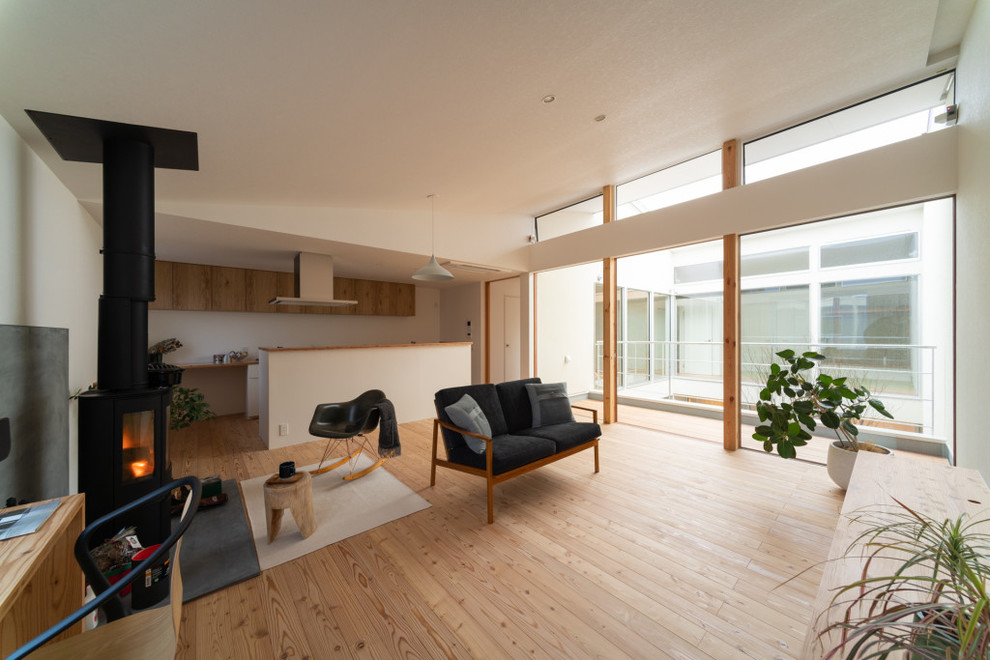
(478, 268)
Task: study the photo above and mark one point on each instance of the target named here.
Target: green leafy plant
(188, 405)
(793, 403)
(932, 602)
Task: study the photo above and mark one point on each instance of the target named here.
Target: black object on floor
(217, 549)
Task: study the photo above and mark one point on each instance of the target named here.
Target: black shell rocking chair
(346, 424)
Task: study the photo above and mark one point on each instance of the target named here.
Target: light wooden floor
(703, 428)
(675, 549)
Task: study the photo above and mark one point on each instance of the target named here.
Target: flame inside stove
(138, 441)
(140, 468)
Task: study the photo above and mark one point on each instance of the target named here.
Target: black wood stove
(123, 424)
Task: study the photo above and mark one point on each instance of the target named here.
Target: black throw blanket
(388, 430)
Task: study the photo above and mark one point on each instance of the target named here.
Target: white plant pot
(840, 463)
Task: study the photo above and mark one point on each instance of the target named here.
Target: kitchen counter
(294, 380)
(348, 348)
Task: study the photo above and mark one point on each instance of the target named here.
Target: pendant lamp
(432, 271)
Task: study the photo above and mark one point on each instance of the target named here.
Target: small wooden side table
(294, 493)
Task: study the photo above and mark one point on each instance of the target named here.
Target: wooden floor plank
(675, 549)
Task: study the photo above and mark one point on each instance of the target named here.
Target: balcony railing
(902, 375)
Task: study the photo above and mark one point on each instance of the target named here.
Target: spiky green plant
(791, 405)
(933, 604)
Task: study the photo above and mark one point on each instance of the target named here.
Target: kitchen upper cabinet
(216, 288)
(228, 289)
(191, 287)
(163, 286)
(260, 286)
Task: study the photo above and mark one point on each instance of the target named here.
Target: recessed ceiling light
(549, 98)
(600, 118)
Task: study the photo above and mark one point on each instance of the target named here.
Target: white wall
(458, 306)
(565, 316)
(498, 292)
(50, 266)
(972, 241)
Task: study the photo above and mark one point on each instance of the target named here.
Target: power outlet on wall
(283, 429)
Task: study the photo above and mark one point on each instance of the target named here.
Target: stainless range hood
(313, 282)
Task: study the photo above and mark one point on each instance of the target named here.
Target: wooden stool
(295, 493)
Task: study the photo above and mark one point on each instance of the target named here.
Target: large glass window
(661, 348)
(775, 261)
(871, 250)
(890, 118)
(699, 335)
(869, 327)
(570, 219)
(776, 314)
(635, 365)
(876, 304)
(695, 178)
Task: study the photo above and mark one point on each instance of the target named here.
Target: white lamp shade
(433, 272)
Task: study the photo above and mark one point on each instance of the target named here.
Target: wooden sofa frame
(492, 479)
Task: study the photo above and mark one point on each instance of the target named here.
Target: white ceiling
(373, 104)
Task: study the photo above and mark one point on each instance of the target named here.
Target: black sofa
(515, 445)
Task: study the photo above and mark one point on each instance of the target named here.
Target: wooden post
(731, 353)
(488, 332)
(731, 166)
(610, 345)
(731, 304)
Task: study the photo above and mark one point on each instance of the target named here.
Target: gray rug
(217, 549)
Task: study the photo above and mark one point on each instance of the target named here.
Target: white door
(510, 337)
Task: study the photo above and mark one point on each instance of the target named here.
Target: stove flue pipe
(128, 263)
(129, 153)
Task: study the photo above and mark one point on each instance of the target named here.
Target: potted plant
(793, 403)
(188, 405)
(931, 599)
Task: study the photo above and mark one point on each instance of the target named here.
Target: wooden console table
(927, 485)
(40, 581)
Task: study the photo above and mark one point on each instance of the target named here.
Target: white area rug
(341, 509)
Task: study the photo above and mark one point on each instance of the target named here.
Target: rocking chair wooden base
(351, 453)
(334, 466)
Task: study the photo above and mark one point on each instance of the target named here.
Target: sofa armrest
(594, 413)
(463, 431)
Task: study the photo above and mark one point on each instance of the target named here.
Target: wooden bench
(927, 485)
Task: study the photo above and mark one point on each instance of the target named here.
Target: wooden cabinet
(260, 286)
(287, 288)
(194, 287)
(191, 288)
(343, 289)
(42, 583)
(228, 289)
(405, 300)
(163, 286)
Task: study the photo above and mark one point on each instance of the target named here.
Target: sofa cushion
(549, 403)
(516, 408)
(486, 398)
(466, 414)
(508, 453)
(567, 435)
